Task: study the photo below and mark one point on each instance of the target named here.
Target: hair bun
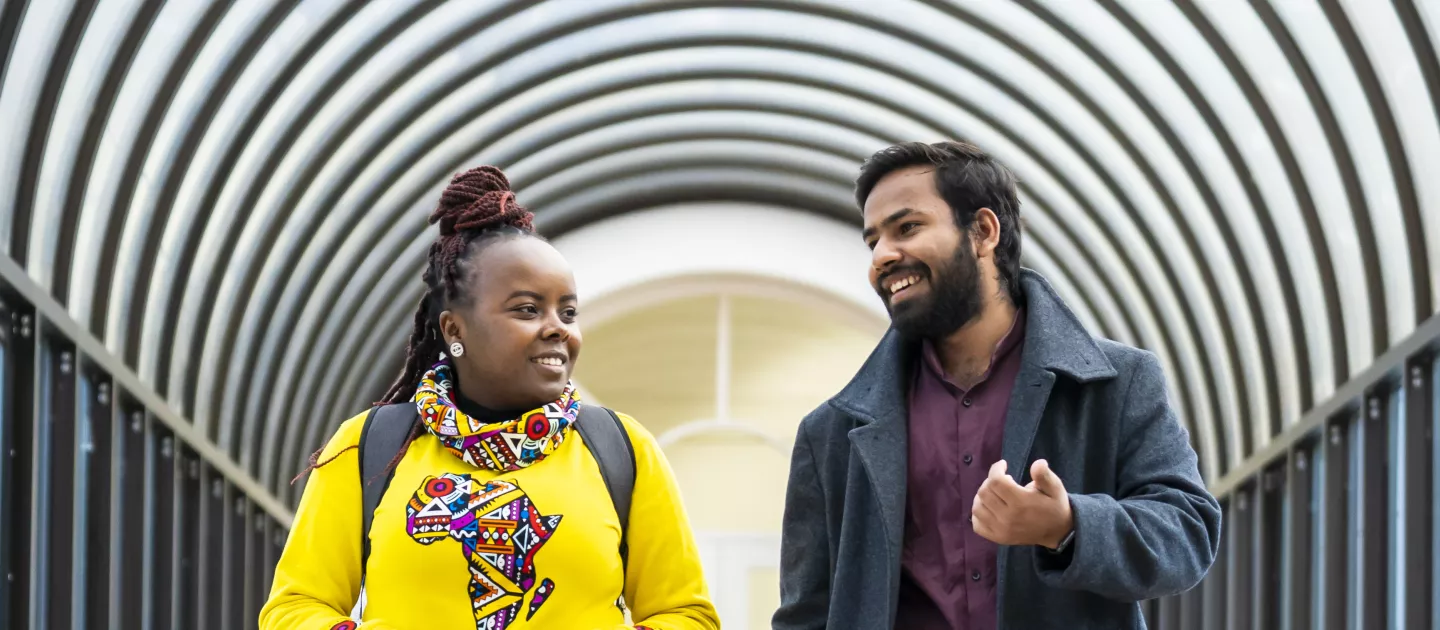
(479, 199)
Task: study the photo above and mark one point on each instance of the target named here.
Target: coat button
(968, 459)
(975, 575)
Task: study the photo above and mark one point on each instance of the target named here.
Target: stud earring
(457, 350)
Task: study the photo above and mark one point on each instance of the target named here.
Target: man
(992, 464)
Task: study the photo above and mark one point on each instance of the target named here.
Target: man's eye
(908, 227)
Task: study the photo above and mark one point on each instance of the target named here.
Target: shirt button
(968, 459)
(965, 402)
(975, 575)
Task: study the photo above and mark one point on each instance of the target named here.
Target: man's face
(923, 266)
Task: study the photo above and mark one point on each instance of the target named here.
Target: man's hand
(1037, 514)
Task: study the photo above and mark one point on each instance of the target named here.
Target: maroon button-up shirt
(947, 570)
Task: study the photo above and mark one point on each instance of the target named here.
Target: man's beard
(953, 301)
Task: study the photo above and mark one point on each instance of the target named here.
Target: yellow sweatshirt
(544, 553)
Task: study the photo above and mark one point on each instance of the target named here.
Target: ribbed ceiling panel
(232, 195)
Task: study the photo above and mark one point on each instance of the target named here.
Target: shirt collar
(930, 358)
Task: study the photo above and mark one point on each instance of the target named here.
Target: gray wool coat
(1097, 410)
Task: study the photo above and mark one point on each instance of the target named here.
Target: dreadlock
(476, 209)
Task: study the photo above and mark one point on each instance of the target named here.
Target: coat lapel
(882, 448)
(1055, 343)
(878, 401)
(1022, 419)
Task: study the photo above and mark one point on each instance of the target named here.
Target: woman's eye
(528, 309)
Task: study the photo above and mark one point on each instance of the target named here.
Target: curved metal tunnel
(232, 195)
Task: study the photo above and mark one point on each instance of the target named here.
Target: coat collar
(1055, 344)
(1055, 341)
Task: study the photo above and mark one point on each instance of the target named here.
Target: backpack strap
(385, 429)
(610, 445)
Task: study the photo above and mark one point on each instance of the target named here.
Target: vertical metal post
(1169, 617)
(1192, 613)
(1269, 544)
(1336, 544)
(18, 418)
(1242, 558)
(59, 520)
(1375, 475)
(132, 539)
(1419, 419)
(236, 539)
(165, 532)
(275, 543)
(188, 543)
(254, 561)
(38, 476)
(1216, 586)
(102, 518)
(1301, 498)
(212, 550)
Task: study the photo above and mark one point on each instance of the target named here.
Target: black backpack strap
(384, 433)
(610, 445)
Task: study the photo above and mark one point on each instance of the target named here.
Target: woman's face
(519, 330)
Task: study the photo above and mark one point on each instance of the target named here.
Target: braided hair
(477, 209)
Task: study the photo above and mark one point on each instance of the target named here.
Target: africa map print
(499, 530)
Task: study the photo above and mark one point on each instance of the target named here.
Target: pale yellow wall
(788, 358)
(658, 364)
(732, 483)
(764, 596)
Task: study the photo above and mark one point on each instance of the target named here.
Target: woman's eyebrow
(536, 296)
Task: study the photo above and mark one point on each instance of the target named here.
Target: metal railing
(114, 511)
(1331, 524)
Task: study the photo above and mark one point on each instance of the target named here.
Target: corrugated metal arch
(231, 195)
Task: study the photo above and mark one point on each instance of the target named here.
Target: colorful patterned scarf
(500, 446)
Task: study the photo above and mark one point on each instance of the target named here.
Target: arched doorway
(721, 360)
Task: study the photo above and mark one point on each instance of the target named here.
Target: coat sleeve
(1159, 534)
(664, 582)
(804, 546)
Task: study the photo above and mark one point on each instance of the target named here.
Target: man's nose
(883, 256)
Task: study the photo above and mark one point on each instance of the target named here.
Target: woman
(500, 313)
